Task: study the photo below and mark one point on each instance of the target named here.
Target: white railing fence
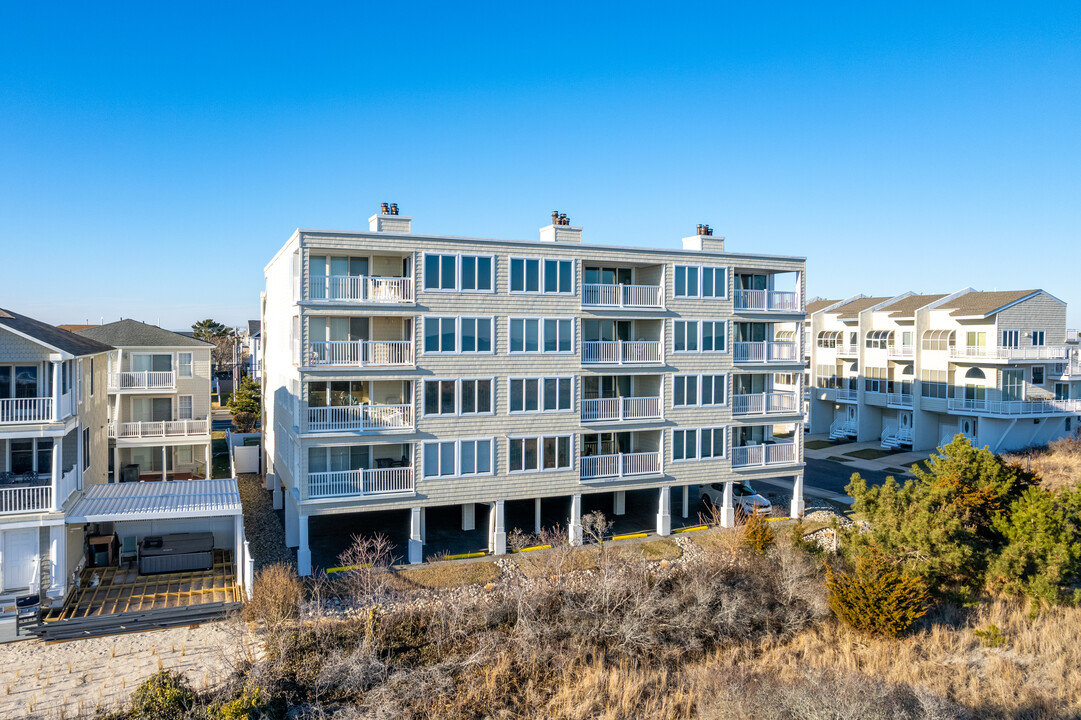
(765, 300)
(620, 352)
(619, 465)
(632, 296)
(1015, 407)
(625, 408)
(361, 288)
(361, 352)
(1040, 352)
(165, 428)
(764, 351)
(380, 481)
(143, 380)
(26, 410)
(902, 399)
(762, 403)
(360, 417)
(32, 498)
(767, 454)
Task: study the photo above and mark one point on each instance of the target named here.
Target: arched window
(907, 370)
(879, 339)
(975, 374)
(938, 339)
(828, 338)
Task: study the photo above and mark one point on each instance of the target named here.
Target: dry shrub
(367, 561)
(275, 603)
(876, 598)
(1058, 465)
(757, 534)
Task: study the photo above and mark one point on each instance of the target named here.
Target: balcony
(360, 418)
(765, 455)
(1041, 352)
(620, 408)
(899, 400)
(623, 296)
(361, 353)
(142, 380)
(620, 465)
(361, 483)
(361, 289)
(900, 351)
(847, 395)
(160, 429)
(764, 352)
(31, 492)
(26, 410)
(766, 301)
(765, 404)
(848, 349)
(1014, 408)
(622, 352)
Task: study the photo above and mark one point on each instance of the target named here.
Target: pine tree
(247, 398)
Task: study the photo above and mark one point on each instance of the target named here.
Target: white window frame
(461, 279)
(698, 443)
(699, 271)
(180, 450)
(541, 322)
(457, 271)
(457, 412)
(1043, 375)
(424, 334)
(540, 275)
(540, 453)
(1042, 334)
(180, 364)
(457, 444)
(699, 325)
(539, 380)
(491, 396)
(180, 407)
(1016, 335)
(460, 324)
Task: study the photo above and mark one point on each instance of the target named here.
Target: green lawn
(868, 453)
(818, 444)
(897, 471)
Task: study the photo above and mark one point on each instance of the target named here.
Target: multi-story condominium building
(406, 371)
(159, 402)
(52, 437)
(914, 370)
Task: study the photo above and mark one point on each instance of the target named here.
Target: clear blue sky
(154, 156)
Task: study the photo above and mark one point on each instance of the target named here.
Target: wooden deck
(124, 590)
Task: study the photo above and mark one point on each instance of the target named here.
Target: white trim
(698, 443)
(457, 443)
(457, 396)
(701, 269)
(457, 334)
(541, 320)
(539, 379)
(540, 453)
(700, 330)
(540, 275)
(699, 389)
(457, 272)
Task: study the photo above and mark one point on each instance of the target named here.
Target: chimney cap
(394, 208)
(384, 208)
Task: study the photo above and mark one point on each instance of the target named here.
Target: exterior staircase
(841, 429)
(895, 438)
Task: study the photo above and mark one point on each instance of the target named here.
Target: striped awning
(117, 502)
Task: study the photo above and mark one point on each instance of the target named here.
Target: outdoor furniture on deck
(27, 612)
(178, 552)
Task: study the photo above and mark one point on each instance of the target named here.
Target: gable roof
(851, 310)
(75, 328)
(50, 335)
(985, 303)
(254, 327)
(816, 305)
(907, 306)
(132, 333)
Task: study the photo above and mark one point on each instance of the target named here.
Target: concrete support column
(686, 501)
(56, 389)
(57, 470)
(574, 527)
(164, 464)
(469, 517)
(424, 525)
(497, 543)
(276, 492)
(416, 535)
(292, 536)
(116, 464)
(58, 570)
(537, 516)
(619, 502)
(664, 512)
(798, 506)
(209, 467)
(728, 510)
(304, 554)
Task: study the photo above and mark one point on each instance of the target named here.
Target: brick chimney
(560, 230)
(388, 220)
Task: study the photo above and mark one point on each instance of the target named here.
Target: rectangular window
(45, 455)
(875, 379)
(700, 336)
(685, 390)
(525, 335)
(707, 282)
(557, 335)
(714, 388)
(1037, 374)
(533, 454)
(440, 272)
(1011, 338)
(91, 377)
(478, 273)
(557, 394)
(1038, 338)
(184, 407)
(684, 444)
(439, 459)
(524, 275)
(439, 335)
(184, 364)
(476, 334)
(183, 454)
(686, 339)
(440, 397)
(532, 275)
(934, 384)
(713, 336)
(475, 457)
(698, 444)
(86, 448)
(1013, 384)
(541, 394)
(524, 394)
(476, 397)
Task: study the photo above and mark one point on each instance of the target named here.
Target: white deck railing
(765, 301)
(764, 403)
(620, 465)
(846, 395)
(143, 380)
(365, 418)
(164, 428)
(28, 498)
(361, 352)
(900, 351)
(1015, 407)
(754, 455)
(26, 410)
(847, 349)
(901, 399)
(381, 481)
(622, 296)
(1041, 352)
(361, 288)
(621, 352)
(766, 351)
(620, 408)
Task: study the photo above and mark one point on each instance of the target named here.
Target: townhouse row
(405, 371)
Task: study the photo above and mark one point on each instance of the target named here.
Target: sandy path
(68, 679)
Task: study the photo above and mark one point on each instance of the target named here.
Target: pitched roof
(851, 310)
(75, 328)
(985, 303)
(907, 307)
(132, 333)
(254, 326)
(816, 305)
(51, 335)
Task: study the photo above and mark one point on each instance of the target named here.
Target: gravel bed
(266, 536)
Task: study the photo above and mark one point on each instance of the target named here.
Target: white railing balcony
(846, 395)
(361, 353)
(363, 418)
(1015, 407)
(899, 399)
(352, 483)
(621, 352)
(361, 288)
(847, 349)
(1071, 369)
(622, 296)
(765, 403)
(764, 352)
(1040, 352)
(620, 408)
(143, 380)
(764, 455)
(765, 301)
(25, 410)
(900, 351)
(159, 429)
(26, 498)
(594, 467)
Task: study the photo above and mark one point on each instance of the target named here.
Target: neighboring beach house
(404, 372)
(159, 402)
(53, 425)
(914, 370)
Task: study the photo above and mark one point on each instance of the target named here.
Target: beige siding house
(404, 372)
